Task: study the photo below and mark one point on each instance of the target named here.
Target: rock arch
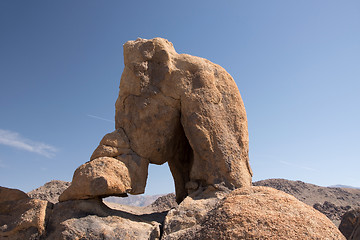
(173, 108)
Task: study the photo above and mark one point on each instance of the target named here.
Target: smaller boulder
(107, 176)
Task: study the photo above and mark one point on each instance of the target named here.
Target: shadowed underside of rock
(91, 219)
(173, 108)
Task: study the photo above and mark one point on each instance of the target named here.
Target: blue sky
(296, 63)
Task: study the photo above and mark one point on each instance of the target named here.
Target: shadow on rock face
(92, 219)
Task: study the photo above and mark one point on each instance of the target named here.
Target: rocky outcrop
(249, 213)
(20, 216)
(172, 108)
(348, 222)
(256, 213)
(50, 191)
(91, 219)
(186, 219)
(332, 211)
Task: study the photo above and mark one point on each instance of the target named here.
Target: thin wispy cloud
(14, 139)
(2, 165)
(297, 166)
(100, 118)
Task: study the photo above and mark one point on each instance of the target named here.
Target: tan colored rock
(254, 213)
(9, 194)
(22, 217)
(112, 145)
(184, 110)
(106, 176)
(179, 109)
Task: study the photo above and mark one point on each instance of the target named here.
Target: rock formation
(348, 223)
(173, 108)
(188, 112)
(20, 216)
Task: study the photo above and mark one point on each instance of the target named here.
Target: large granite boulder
(248, 213)
(173, 108)
(22, 217)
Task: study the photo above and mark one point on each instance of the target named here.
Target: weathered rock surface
(349, 221)
(173, 108)
(107, 176)
(50, 191)
(24, 218)
(20, 216)
(91, 219)
(187, 218)
(9, 194)
(251, 213)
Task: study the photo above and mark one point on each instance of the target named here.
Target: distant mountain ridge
(331, 201)
(343, 186)
(134, 200)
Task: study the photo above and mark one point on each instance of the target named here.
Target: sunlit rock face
(173, 108)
